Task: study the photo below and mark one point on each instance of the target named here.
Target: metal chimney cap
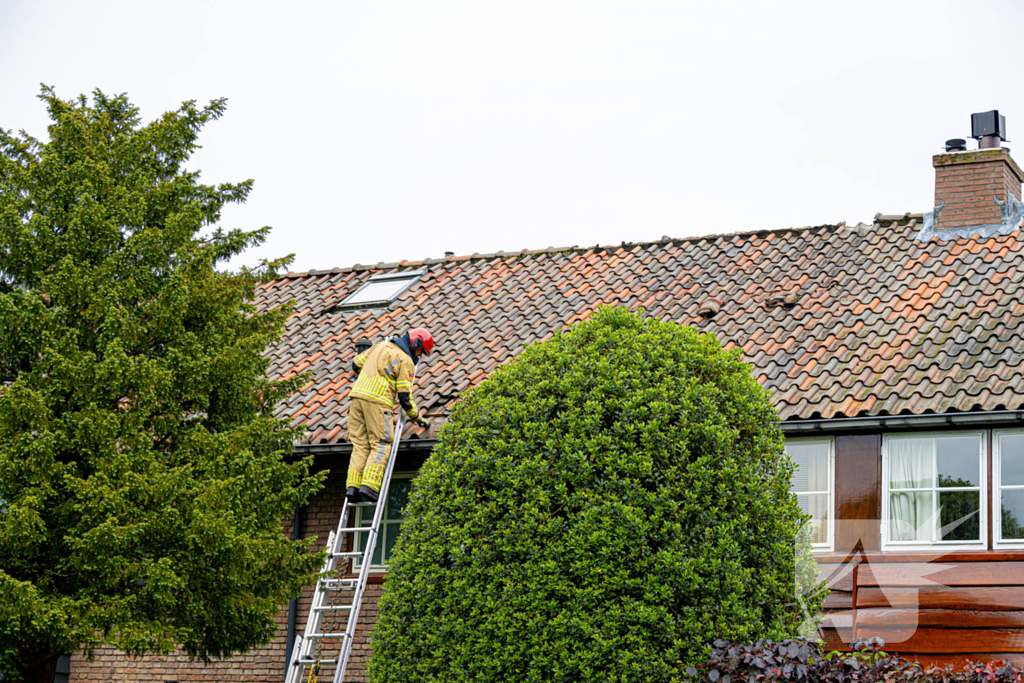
(988, 123)
(449, 254)
(956, 145)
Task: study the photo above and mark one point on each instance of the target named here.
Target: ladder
(334, 596)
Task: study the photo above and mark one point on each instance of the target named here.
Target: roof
(838, 321)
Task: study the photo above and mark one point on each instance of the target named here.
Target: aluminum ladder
(329, 593)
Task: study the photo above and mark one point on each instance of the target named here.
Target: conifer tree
(142, 471)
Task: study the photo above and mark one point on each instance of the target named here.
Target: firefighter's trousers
(371, 432)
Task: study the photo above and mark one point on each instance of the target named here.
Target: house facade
(894, 352)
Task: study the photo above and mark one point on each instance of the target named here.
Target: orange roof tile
(882, 324)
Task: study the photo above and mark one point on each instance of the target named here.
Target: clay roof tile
(878, 323)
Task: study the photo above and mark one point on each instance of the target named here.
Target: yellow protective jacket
(385, 372)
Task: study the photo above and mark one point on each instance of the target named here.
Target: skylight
(381, 290)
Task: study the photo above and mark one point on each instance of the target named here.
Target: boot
(352, 493)
(368, 494)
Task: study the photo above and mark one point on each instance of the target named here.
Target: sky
(381, 131)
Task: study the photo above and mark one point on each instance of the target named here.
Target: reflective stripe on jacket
(385, 371)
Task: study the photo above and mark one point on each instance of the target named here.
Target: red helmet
(419, 338)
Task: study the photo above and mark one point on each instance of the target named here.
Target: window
(1008, 488)
(381, 290)
(390, 524)
(812, 484)
(934, 491)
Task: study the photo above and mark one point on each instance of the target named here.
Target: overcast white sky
(379, 131)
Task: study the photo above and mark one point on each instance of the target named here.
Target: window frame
(830, 545)
(997, 492)
(888, 545)
(413, 276)
(382, 536)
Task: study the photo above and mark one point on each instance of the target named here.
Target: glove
(423, 422)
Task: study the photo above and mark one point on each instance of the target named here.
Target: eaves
(345, 448)
(789, 427)
(881, 423)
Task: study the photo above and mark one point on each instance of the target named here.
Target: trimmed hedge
(799, 661)
(598, 509)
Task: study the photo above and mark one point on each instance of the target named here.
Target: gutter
(843, 424)
(901, 422)
(345, 448)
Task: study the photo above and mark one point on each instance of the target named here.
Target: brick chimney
(966, 182)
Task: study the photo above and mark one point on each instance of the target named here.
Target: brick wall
(267, 663)
(966, 182)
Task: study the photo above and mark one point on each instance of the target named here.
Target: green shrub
(599, 509)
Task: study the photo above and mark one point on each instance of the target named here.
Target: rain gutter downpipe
(293, 604)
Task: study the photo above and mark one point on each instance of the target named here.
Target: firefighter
(384, 376)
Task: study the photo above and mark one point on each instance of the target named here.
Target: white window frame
(384, 523)
(911, 546)
(413, 276)
(830, 545)
(997, 491)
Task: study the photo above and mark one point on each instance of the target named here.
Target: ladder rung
(361, 505)
(327, 635)
(325, 608)
(310, 662)
(354, 529)
(335, 584)
(358, 554)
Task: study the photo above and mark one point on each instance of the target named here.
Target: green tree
(141, 467)
(960, 508)
(599, 509)
(1011, 527)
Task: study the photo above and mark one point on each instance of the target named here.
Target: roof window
(381, 290)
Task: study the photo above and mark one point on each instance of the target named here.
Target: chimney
(968, 181)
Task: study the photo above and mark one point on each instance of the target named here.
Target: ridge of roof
(879, 218)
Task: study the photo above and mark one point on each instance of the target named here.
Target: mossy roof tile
(882, 323)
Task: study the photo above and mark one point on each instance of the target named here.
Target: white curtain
(811, 474)
(911, 466)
